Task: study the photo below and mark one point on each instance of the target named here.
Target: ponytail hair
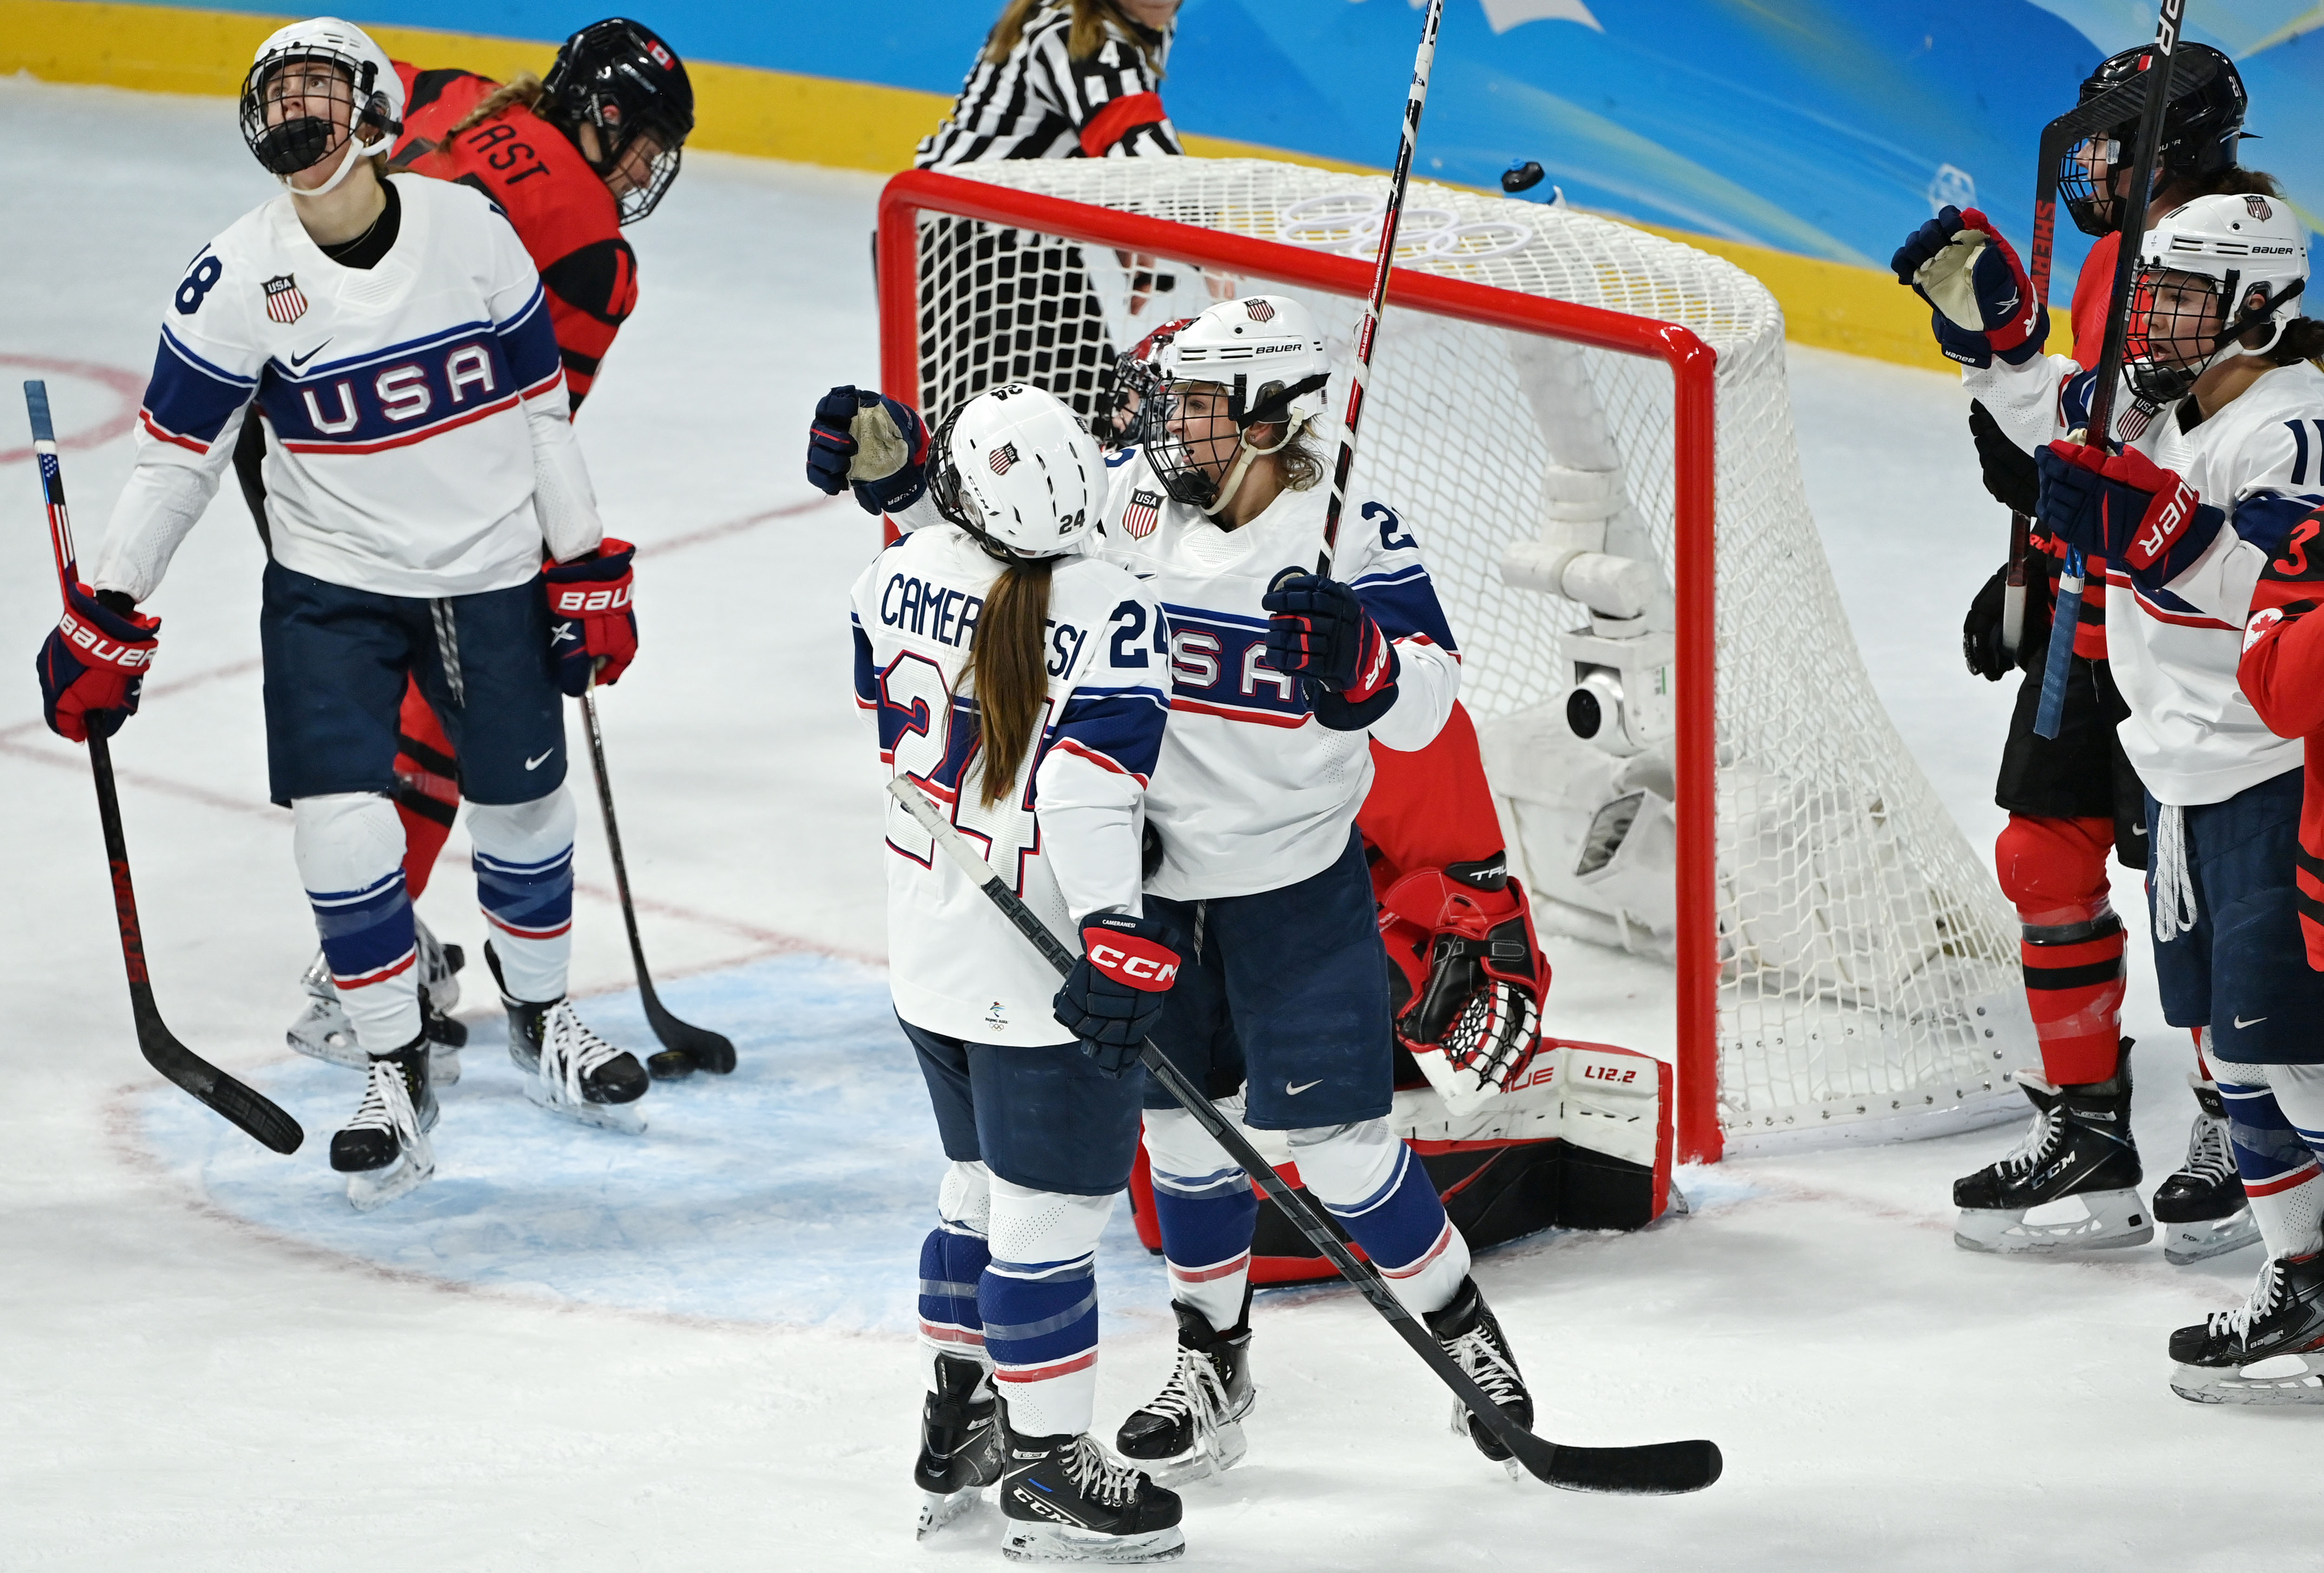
(2302, 339)
(1093, 22)
(523, 88)
(1007, 661)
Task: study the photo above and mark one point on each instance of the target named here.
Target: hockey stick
(686, 1048)
(2049, 716)
(253, 1112)
(1391, 219)
(1654, 1469)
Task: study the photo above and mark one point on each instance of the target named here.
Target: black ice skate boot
(1067, 1502)
(2269, 1349)
(569, 1070)
(2080, 1146)
(960, 1442)
(1472, 1336)
(384, 1151)
(1192, 1428)
(2202, 1207)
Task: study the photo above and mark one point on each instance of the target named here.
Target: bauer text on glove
(93, 664)
(871, 443)
(1115, 994)
(1318, 630)
(593, 621)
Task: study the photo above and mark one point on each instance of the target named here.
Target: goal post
(1823, 988)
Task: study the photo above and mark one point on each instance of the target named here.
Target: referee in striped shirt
(1056, 79)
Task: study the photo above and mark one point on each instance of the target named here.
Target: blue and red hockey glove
(593, 620)
(1115, 994)
(871, 443)
(1982, 302)
(1318, 630)
(94, 662)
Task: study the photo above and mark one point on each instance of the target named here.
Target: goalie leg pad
(1380, 1192)
(1039, 1298)
(524, 883)
(349, 848)
(1207, 1210)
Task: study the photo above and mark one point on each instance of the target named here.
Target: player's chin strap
(356, 151)
(1272, 411)
(2229, 342)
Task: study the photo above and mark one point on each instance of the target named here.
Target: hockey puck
(670, 1064)
(1521, 177)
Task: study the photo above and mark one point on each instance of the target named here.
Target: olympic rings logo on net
(1349, 223)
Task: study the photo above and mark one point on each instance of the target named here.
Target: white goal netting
(1868, 980)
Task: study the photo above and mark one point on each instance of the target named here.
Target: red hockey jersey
(562, 211)
(2283, 675)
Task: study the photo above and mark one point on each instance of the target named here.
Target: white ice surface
(577, 1351)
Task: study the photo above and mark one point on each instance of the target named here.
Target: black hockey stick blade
(247, 1110)
(1652, 1469)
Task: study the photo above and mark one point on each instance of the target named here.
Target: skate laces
(2035, 1147)
(570, 1053)
(1196, 1391)
(2208, 1155)
(387, 1104)
(2237, 1324)
(1096, 1474)
(1485, 1363)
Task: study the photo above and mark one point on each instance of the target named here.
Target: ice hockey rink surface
(692, 1349)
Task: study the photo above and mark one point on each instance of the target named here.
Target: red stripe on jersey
(1081, 751)
(409, 438)
(167, 435)
(1223, 713)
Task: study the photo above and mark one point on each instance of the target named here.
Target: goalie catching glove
(1318, 630)
(870, 442)
(1468, 977)
(1115, 994)
(1982, 302)
(593, 621)
(93, 664)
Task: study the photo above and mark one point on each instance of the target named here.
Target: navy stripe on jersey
(189, 401)
(1404, 603)
(401, 394)
(2265, 518)
(1218, 667)
(1042, 101)
(1120, 729)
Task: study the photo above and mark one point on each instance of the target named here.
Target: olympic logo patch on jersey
(1144, 513)
(1001, 458)
(285, 302)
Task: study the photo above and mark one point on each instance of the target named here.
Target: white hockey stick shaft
(1368, 334)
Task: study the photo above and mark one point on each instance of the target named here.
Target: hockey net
(1844, 967)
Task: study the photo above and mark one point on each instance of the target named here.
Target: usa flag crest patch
(1144, 513)
(1001, 458)
(1259, 310)
(284, 302)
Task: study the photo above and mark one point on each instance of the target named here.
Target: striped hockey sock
(349, 847)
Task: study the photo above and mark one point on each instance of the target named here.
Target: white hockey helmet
(280, 117)
(1015, 470)
(1263, 353)
(2210, 272)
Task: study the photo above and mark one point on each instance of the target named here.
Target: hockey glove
(1115, 994)
(1984, 304)
(2156, 524)
(2071, 499)
(1318, 630)
(593, 620)
(871, 443)
(2009, 473)
(1981, 630)
(94, 662)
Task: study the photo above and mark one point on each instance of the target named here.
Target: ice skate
(2202, 1207)
(1192, 1431)
(2269, 1349)
(1472, 1336)
(569, 1070)
(961, 1443)
(2079, 1147)
(1067, 1502)
(324, 1033)
(384, 1151)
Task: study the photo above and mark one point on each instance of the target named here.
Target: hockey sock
(1038, 1299)
(349, 847)
(524, 883)
(426, 787)
(1379, 1190)
(2072, 944)
(2202, 1036)
(953, 1258)
(2281, 1177)
(1207, 1211)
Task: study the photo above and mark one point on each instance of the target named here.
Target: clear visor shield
(297, 111)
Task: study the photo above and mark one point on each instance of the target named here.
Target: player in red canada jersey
(570, 157)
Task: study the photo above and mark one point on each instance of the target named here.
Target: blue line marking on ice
(795, 1191)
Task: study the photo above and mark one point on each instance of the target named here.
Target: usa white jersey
(1253, 793)
(1065, 834)
(413, 410)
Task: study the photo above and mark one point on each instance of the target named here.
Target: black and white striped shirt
(1042, 103)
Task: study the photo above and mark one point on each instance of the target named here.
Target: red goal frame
(1694, 432)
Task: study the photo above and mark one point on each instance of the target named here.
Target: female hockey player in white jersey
(2213, 519)
(391, 333)
(1021, 685)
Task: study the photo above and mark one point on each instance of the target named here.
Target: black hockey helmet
(620, 79)
(2200, 131)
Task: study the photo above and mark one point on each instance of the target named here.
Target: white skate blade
(622, 1117)
(376, 1188)
(2197, 1242)
(938, 1511)
(443, 1065)
(1045, 1542)
(1207, 1460)
(2115, 1220)
(2280, 1379)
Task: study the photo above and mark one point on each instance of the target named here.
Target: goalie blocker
(1581, 1142)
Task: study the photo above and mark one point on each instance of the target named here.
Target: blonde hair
(524, 89)
(1303, 461)
(1094, 21)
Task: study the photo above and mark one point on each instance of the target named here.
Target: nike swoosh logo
(299, 360)
(535, 764)
(2138, 829)
(2241, 1023)
(1303, 1086)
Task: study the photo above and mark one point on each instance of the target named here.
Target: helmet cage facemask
(2157, 383)
(1186, 476)
(604, 114)
(287, 147)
